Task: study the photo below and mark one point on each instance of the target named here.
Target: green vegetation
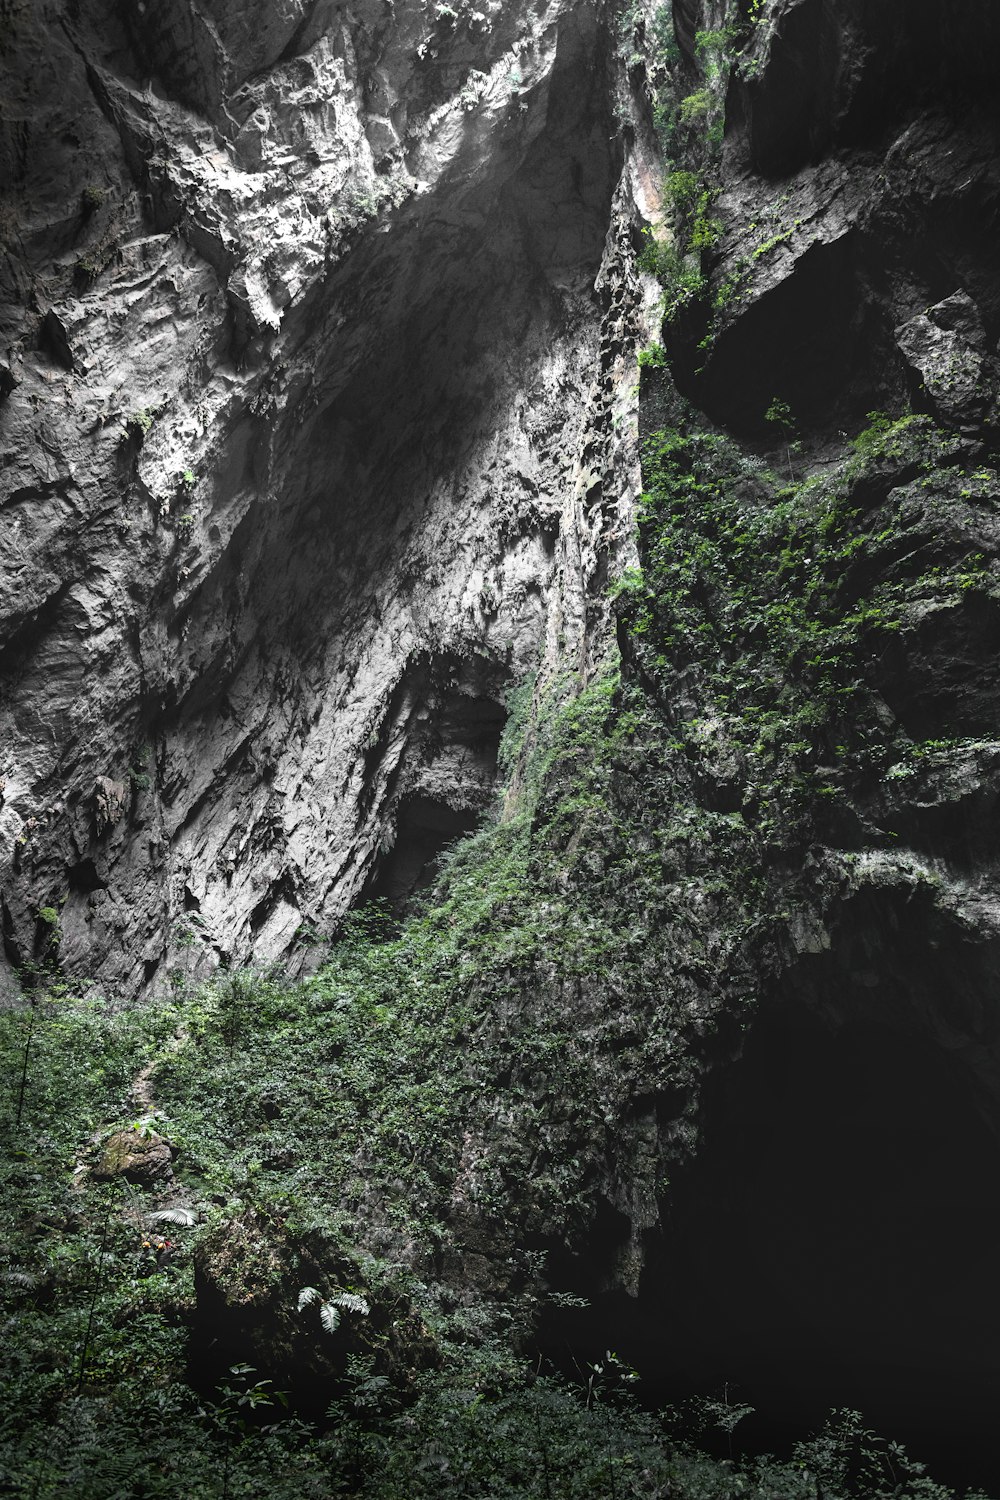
(680, 275)
(653, 357)
(294, 1112)
(694, 107)
(779, 415)
(86, 271)
(337, 1165)
(716, 48)
(688, 197)
(138, 425)
(690, 129)
(138, 775)
(319, 1129)
(649, 43)
(780, 596)
(677, 261)
(691, 204)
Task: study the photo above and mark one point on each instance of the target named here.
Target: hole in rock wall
(817, 340)
(843, 71)
(446, 779)
(835, 1242)
(909, 85)
(941, 680)
(424, 829)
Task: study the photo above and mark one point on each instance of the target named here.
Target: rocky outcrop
(139, 1156)
(844, 132)
(318, 321)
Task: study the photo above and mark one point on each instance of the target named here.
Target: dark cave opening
(446, 780)
(817, 340)
(425, 827)
(834, 1245)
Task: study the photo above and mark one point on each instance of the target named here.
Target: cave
(834, 1242)
(847, 70)
(447, 715)
(424, 829)
(936, 683)
(333, 336)
(816, 340)
(838, 1241)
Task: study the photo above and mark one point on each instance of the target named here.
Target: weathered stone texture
(316, 320)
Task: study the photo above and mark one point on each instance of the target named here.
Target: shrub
(653, 357)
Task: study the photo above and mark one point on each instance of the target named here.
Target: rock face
(829, 1240)
(317, 322)
(141, 1157)
(317, 420)
(858, 188)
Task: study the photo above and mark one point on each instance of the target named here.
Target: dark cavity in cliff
(835, 1242)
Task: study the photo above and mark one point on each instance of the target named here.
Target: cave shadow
(835, 1242)
(444, 783)
(425, 829)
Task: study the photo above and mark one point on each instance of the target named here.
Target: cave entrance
(835, 1244)
(446, 779)
(424, 829)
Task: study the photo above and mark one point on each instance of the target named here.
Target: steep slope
(816, 619)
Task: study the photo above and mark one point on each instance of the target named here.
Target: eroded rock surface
(317, 323)
(839, 1109)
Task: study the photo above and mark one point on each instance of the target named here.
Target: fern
(183, 1216)
(351, 1302)
(329, 1316)
(28, 1279)
(331, 1309)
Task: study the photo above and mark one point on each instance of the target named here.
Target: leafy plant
(138, 424)
(653, 357)
(780, 416)
(716, 48)
(332, 1308)
(695, 106)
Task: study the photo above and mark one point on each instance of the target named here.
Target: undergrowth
(401, 1135)
(780, 597)
(99, 1401)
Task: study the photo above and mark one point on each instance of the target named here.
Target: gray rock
(140, 1157)
(944, 347)
(231, 582)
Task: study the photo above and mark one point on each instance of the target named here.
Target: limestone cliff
(319, 331)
